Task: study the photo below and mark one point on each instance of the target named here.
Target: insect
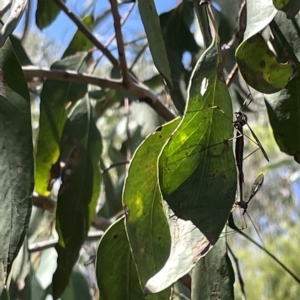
(255, 188)
(241, 119)
(244, 204)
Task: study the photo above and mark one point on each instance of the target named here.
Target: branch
(114, 35)
(138, 90)
(87, 33)
(44, 203)
(120, 163)
(48, 204)
(40, 246)
(119, 38)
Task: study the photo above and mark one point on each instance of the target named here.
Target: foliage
(166, 220)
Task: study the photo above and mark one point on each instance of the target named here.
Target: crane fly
(255, 188)
(244, 204)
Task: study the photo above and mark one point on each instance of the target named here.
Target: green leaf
(46, 13)
(197, 170)
(115, 268)
(283, 111)
(19, 51)
(290, 7)
(290, 32)
(146, 225)
(54, 98)
(78, 288)
(259, 67)
(178, 39)
(152, 27)
(16, 12)
(259, 15)
(213, 276)
(80, 42)
(78, 194)
(16, 164)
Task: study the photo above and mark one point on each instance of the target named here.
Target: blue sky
(63, 29)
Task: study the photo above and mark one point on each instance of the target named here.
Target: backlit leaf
(197, 170)
(78, 194)
(259, 67)
(54, 98)
(115, 268)
(147, 225)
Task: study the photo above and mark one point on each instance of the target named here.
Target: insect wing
(256, 186)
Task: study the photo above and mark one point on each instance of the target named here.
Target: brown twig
(138, 56)
(235, 40)
(44, 203)
(124, 19)
(231, 75)
(119, 38)
(120, 163)
(43, 245)
(138, 90)
(238, 36)
(87, 33)
(48, 204)
(68, 75)
(128, 146)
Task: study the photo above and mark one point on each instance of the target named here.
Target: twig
(40, 246)
(180, 295)
(124, 19)
(231, 75)
(68, 75)
(138, 56)
(241, 281)
(139, 90)
(120, 163)
(128, 143)
(238, 36)
(48, 204)
(44, 203)
(119, 38)
(235, 40)
(87, 33)
(101, 223)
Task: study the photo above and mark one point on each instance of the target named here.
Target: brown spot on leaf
(262, 64)
(258, 75)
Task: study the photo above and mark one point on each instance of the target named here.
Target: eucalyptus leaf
(17, 9)
(259, 66)
(197, 170)
(284, 117)
(79, 191)
(16, 159)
